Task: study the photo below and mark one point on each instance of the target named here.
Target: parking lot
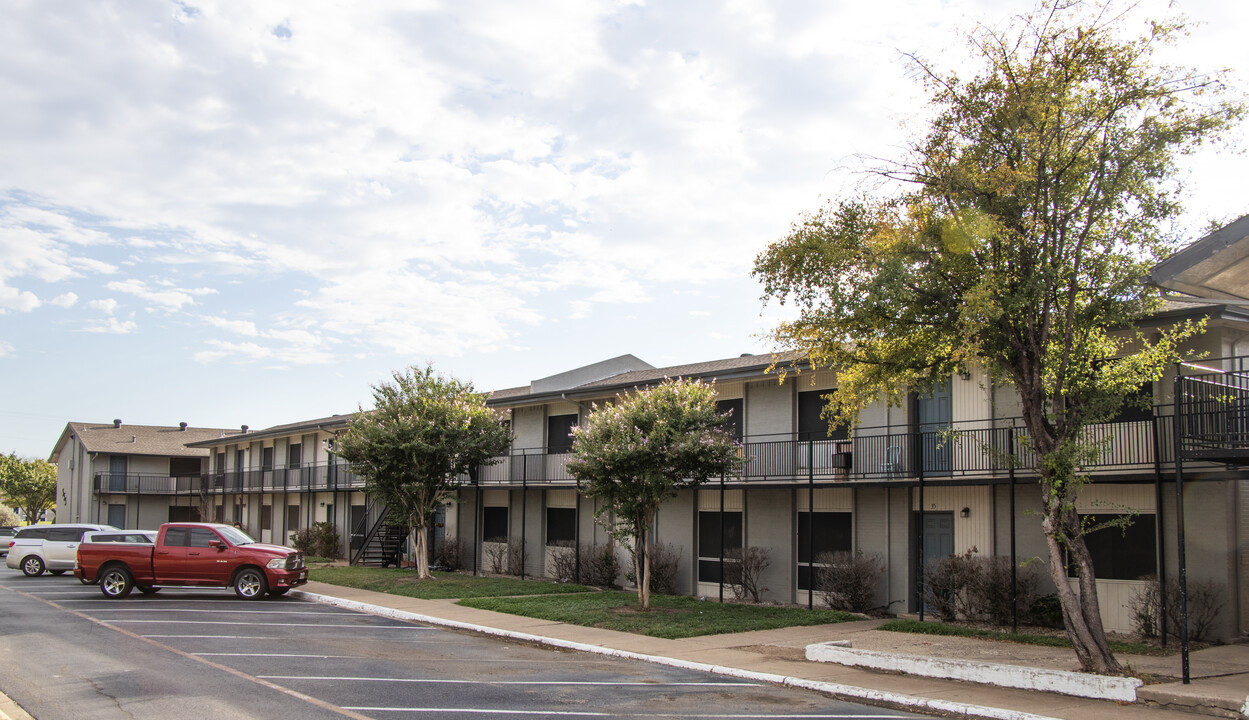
(67, 652)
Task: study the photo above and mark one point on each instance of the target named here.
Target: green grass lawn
(444, 586)
(936, 628)
(670, 616)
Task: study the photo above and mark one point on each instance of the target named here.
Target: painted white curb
(1102, 687)
(846, 692)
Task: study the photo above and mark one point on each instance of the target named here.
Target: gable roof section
(229, 437)
(730, 368)
(135, 439)
(1215, 267)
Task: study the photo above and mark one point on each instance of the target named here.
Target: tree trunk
(646, 570)
(1081, 609)
(417, 535)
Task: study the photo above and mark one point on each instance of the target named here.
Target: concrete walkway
(1220, 675)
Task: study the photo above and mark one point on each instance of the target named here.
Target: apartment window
(831, 534)
(1137, 405)
(294, 455)
(183, 467)
(184, 513)
(735, 423)
(1122, 553)
(709, 548)
(561, 526)
(811, 426)
(292, 517)
(221, 463)
(559, 433)
(494, 524)
(266, 517)
(266, 458)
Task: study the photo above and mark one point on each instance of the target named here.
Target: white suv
(53, 548)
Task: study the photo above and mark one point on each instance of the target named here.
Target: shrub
(506, 559)
(989, 593)
(320, 540)
(8, 517)
(946, 581)
(563, 557)
(848, 581)
(743, 568)
(1205, 601)
(449, 554)
(665, 559)
(600, 566)
(1046, 611)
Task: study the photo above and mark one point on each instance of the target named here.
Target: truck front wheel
(116, 582)
(250, 584)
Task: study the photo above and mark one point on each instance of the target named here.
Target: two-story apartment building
(135, 476)
(947, 473)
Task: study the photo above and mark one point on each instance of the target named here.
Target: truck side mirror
(216, 544)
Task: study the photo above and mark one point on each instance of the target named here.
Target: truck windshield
(235, 536)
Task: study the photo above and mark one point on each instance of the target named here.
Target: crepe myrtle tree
(639, 450)
(424, 431)
(29, 485)
(1013, 238)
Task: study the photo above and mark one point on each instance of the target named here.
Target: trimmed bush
(320, 540)
(978, 588)
(665, 559)
(1205, 601)
(449, 554)
(743, 568)
(848, 581)
(599, 565)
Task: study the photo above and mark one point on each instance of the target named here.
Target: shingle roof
(138, 439)
(233, 436)
(745, 365)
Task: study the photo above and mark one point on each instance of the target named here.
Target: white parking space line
(232, 612)
(277, 655)
(236, 623)
(590, 683)
(617, 714)
(214, 637)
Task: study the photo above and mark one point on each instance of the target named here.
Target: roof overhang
(1215, 267)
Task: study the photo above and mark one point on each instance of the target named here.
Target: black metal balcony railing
(972, 450)
(1213, 411)
(311, 478)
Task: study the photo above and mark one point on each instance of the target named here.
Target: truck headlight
(276, 564)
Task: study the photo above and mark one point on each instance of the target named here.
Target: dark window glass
(183, 513)
(1137, 405)
(221, 463)
(559, 433)
(735, 422)
(292, 517)
(810, 425)
(65, 534)
(709, 541)
(832, 534)
(266, 517)
(1123, 553)
(561, 526)
(31, 533)
(177, 537)
(200, 537)
(183, 467)
(266, 458)
(295, 455)
(494, 524)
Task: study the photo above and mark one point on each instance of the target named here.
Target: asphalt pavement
(1219, 687)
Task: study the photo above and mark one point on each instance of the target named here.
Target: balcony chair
(893, 462)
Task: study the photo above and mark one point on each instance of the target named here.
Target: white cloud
(107, 306)
(67, 300)
(112, 326)
(171, 299)
(6, 350)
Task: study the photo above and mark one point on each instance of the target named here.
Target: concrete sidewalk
(1220, 675)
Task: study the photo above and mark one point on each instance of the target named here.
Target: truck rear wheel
(250, 584)
(116, 582)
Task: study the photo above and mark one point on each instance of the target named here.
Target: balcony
(973, 451)
(328, 477)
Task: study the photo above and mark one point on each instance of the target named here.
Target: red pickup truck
(192, 555)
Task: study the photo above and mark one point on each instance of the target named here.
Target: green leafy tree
(425, 431)
(1022, 224)
(638, 451)
(28, 484)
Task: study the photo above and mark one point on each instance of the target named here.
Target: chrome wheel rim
(249, 584)
(32, 566)
(113, 583)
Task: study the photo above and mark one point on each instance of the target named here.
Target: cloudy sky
(229, 213)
